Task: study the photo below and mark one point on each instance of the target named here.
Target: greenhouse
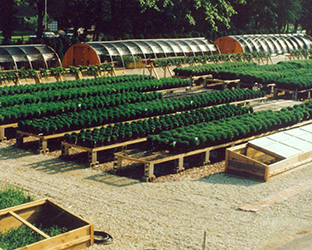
(33, 56)
(273, 43)
(116, 51)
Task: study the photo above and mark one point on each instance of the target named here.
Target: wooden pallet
(150, 158)
(2, 130)
(92, 152)
(80, 233)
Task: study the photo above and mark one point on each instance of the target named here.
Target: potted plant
(132, 62)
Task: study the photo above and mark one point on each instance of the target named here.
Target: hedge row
(267, 73)
(228, 129)
(17, 113)
(238, 57)
(96, 117)
(73, 93)
(137, 129)
(31, 88)
(210, 68)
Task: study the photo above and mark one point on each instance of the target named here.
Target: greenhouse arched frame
(275, 44)
(108, 51)
(32, 56)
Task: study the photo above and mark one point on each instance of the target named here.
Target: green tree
(7, 19)
(305, 17)
(40, 5)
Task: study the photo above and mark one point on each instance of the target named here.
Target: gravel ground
(164, 214)
(174, 211)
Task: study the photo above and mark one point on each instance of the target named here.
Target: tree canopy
(117, 19)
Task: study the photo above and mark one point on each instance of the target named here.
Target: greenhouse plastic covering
(287, 143)
(31, 55)
(154, 48)
(274, 44)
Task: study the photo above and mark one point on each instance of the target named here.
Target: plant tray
(80, 233)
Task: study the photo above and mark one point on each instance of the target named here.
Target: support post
(180, 167)
(19, 140)
(148, 172)
(119, 162)
(295, 95)
(207, 157)
(2, 134)
(64, 150)
(43, 146)
(92, 157)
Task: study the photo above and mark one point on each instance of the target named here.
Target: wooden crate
(80, 233)
(256, 163)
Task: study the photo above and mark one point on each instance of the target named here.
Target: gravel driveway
(165, 215)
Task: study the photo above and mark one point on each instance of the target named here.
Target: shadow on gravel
(53, 166)
(113, 180)
(224, 179)
(11, 152)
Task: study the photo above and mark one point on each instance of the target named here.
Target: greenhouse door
(80, 56)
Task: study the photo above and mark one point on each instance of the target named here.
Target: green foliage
(229, 128)
(12, 196)
(210, 68)
(96, 117)
(126, 131)
(23, 236)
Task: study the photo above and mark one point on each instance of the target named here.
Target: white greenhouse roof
(287, 143)
(273, 43)
(155, 48)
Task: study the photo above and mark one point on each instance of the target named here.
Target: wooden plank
(289, 167)
(23, 206)
(131, 158)
(102, 148)
(75, 239)
(29, 225)
(2, 130)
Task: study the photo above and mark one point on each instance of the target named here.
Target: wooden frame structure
(150, 158)
(92, 152)
(259, 164)
(80, 233)
(2, 130)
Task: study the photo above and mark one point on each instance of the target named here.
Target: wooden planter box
(80, 233)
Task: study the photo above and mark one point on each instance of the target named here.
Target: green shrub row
(300, 82)
(235, 57)
(267, 73)
(210, 68)
(31, 88)
(12, 196)
(228, 129)
(96, 117)
(16, 113)
(138, 129)
(23, 235)
(98, 90)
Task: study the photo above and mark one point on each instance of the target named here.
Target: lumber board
(23, 206)
(102, 148)
(29, 225)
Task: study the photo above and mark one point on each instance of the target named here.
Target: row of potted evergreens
(120, 132)
(97, 117)
(213, 133)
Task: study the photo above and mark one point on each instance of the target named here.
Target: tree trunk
(40, 8)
